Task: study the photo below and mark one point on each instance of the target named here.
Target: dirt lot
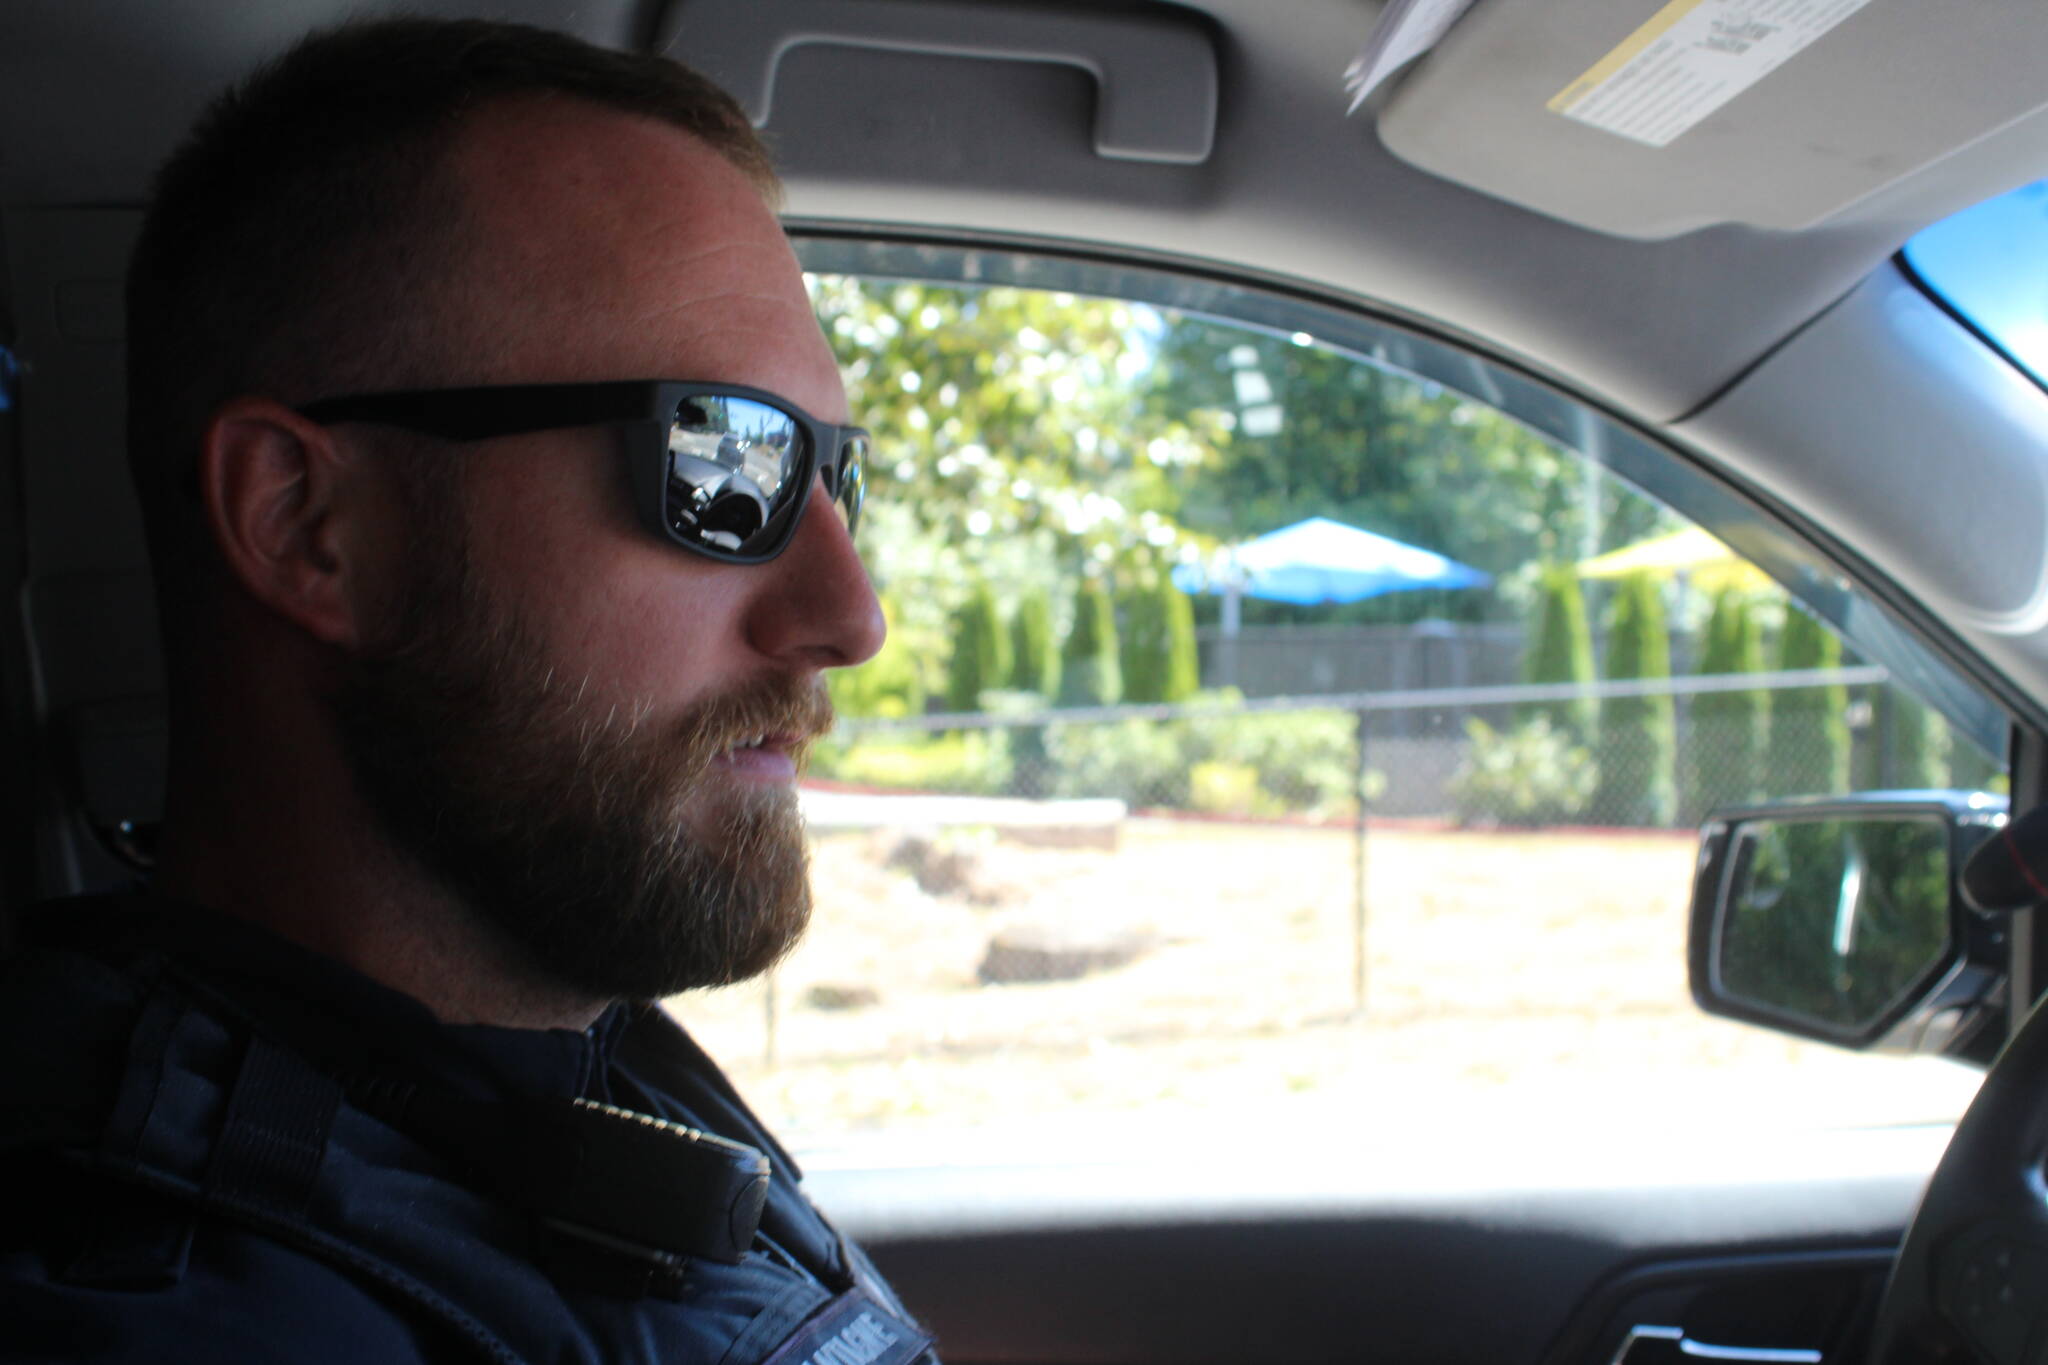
(1511, 978)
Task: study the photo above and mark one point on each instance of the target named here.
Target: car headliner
(1656, 310)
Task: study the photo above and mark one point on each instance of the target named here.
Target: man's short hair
(293, 241)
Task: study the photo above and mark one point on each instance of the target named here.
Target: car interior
(1665, 237)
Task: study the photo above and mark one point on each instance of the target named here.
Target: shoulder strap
(279, 1116)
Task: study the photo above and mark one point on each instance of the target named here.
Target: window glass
(1990, 264)
(1287, 711)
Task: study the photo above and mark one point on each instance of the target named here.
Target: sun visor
(1648, 120)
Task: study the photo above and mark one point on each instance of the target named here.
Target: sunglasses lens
(732, 474)
(853, 480)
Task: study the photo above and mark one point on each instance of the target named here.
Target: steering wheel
(1971, 1281)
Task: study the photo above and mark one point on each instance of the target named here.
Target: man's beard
(599, 847)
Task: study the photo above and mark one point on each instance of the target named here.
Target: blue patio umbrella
(1320, 560)
(1314, 561)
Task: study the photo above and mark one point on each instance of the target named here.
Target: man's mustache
(794, 711)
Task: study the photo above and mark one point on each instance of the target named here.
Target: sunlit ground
(1529, 984)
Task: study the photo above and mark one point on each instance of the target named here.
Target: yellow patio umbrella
(1706, 563)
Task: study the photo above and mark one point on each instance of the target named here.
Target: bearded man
(501, 497)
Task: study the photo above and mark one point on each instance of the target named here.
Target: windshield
(1989, 264)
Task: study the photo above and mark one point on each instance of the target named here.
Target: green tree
(1638, 735)
(1034, 682)
(1034, 652)
(1730, 729)
(1916, 742)
(1035, 438)
(1183, 672)
(1138, 637)
(1089, 671)
(1315, 431)
(1015, 441)
(981, 650)
(1157, 644)
(1561, 651)
(888, 684)
(1809, 748)
(1007, 419)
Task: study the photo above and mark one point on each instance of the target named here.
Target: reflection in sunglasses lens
(853, 479)
(729, 467)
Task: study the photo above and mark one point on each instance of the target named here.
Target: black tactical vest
(214, 1145)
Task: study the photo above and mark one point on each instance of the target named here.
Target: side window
(1284, 709)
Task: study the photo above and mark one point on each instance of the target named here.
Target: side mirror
(1843, 920)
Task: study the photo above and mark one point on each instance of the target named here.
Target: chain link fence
(1321, 899)
(1646, 754)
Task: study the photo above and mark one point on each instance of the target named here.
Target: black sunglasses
(720, 469)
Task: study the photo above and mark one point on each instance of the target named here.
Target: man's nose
(818, 610)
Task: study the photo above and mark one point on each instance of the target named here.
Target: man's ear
(282, 498)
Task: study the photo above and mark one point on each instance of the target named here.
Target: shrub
(1298, 761)
(1306, 761)
(1137, 645)
(1809, 749)
(1183, 659)
(1971, 768)
(1158, 645)
(1030, 763)
(1730, 730)
(1219, 788)
(971, 762)
(886, 685)
(1089, 674)
(1918, 743)
(981, 650)
(1140, 761)
(1531, 775)
(1638, 735)
(1561, 651)
(1034, 654)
